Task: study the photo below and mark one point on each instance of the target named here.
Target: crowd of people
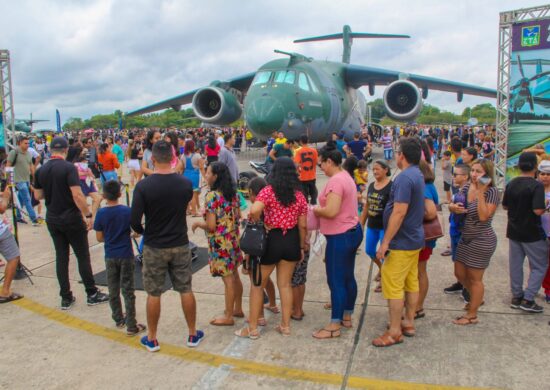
(392, 213)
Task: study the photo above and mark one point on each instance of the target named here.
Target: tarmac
(46, 348)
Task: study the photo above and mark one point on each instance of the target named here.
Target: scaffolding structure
(507, 19)
(6, 98)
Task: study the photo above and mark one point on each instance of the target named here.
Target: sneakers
(21, 220)
(193, 341)
(97, 298)
(35, 223)
(151, 345)
(454, 288)
(530, 306)
(67, 303)
(465, 295)
(516, 302)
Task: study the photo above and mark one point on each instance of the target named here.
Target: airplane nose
(264, 115)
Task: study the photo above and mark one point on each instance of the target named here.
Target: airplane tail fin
(347, 36)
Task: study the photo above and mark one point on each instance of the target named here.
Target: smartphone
(484, 180)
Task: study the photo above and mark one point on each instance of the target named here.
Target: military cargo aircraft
(299, 95)
(25, 125)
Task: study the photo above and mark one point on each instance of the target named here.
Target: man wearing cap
(68, 218)
(524, 200)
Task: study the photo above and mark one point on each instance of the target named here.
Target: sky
(94, 57)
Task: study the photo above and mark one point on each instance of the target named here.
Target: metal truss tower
(507, 19)
(6, 98)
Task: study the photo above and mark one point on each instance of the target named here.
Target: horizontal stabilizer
(352, 35)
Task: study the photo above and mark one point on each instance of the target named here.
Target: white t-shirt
(220, 141)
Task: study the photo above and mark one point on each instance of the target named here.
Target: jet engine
(402, 100)
(215, 105)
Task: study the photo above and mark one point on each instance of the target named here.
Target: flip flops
(332, 334)
(12, 297)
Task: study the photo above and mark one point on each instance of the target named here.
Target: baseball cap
(544, 166)
(59, 143)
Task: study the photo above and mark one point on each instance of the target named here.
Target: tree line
(484, 113)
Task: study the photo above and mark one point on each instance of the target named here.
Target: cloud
(88, 57)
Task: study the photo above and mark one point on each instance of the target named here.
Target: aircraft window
(312, 84)
(262, 78)
(302, 82)
(279, 76)
(290, 77)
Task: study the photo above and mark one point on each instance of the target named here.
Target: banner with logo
(529, 105)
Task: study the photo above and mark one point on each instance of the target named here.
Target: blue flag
(120, 122)
(58, 120)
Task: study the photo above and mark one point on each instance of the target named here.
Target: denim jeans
(388, 154)
(72, 235)
(340, 267)
(108, 175)
(24, 196)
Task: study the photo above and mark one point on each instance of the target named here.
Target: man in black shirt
(163, 197)
(57, 182)
(524, 200)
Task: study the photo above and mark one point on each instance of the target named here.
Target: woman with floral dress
(221, 223)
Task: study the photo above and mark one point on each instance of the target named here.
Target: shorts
(372, 239)
(8, 246)
(425, 254)
(282, 247)
(87, 189)
(134, 165)
(157, 261)
(446, 186)
(299, 277)
(400, 273)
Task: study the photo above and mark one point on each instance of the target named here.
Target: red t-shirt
(212, 152)
(278, 216)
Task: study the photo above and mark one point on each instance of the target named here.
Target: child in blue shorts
(112, 226)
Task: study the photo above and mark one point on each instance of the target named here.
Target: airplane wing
(357, 76)
(241, 83)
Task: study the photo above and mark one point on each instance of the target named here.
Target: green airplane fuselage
(303, 96)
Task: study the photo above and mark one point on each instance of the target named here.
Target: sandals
(283, 330)
(327, 306)
(274, 309)
(378, 288)
(346, 324)
(238, 315)
(387, 340)
(419, 314)
(222, 322)
(246, 332)
(408, 331)
(468, 321)
(10, 298)
(261, 321)
(332, 333)
(297, 318)
(139, 328)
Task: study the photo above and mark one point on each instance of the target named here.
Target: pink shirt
(342, 185)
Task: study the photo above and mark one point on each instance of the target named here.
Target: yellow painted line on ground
(239, 365)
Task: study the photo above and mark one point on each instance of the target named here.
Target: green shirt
(22, 167)
(119, 153)
(280, 151)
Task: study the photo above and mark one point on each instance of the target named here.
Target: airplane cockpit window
(262, 78)
(312, 84)
(302, 82)
(290, 77)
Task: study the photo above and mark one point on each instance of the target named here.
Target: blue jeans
(372, 239)
(340, 267)
(108, 175)
(24, 196)
(388, 154)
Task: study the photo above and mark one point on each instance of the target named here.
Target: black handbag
(254, 239)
